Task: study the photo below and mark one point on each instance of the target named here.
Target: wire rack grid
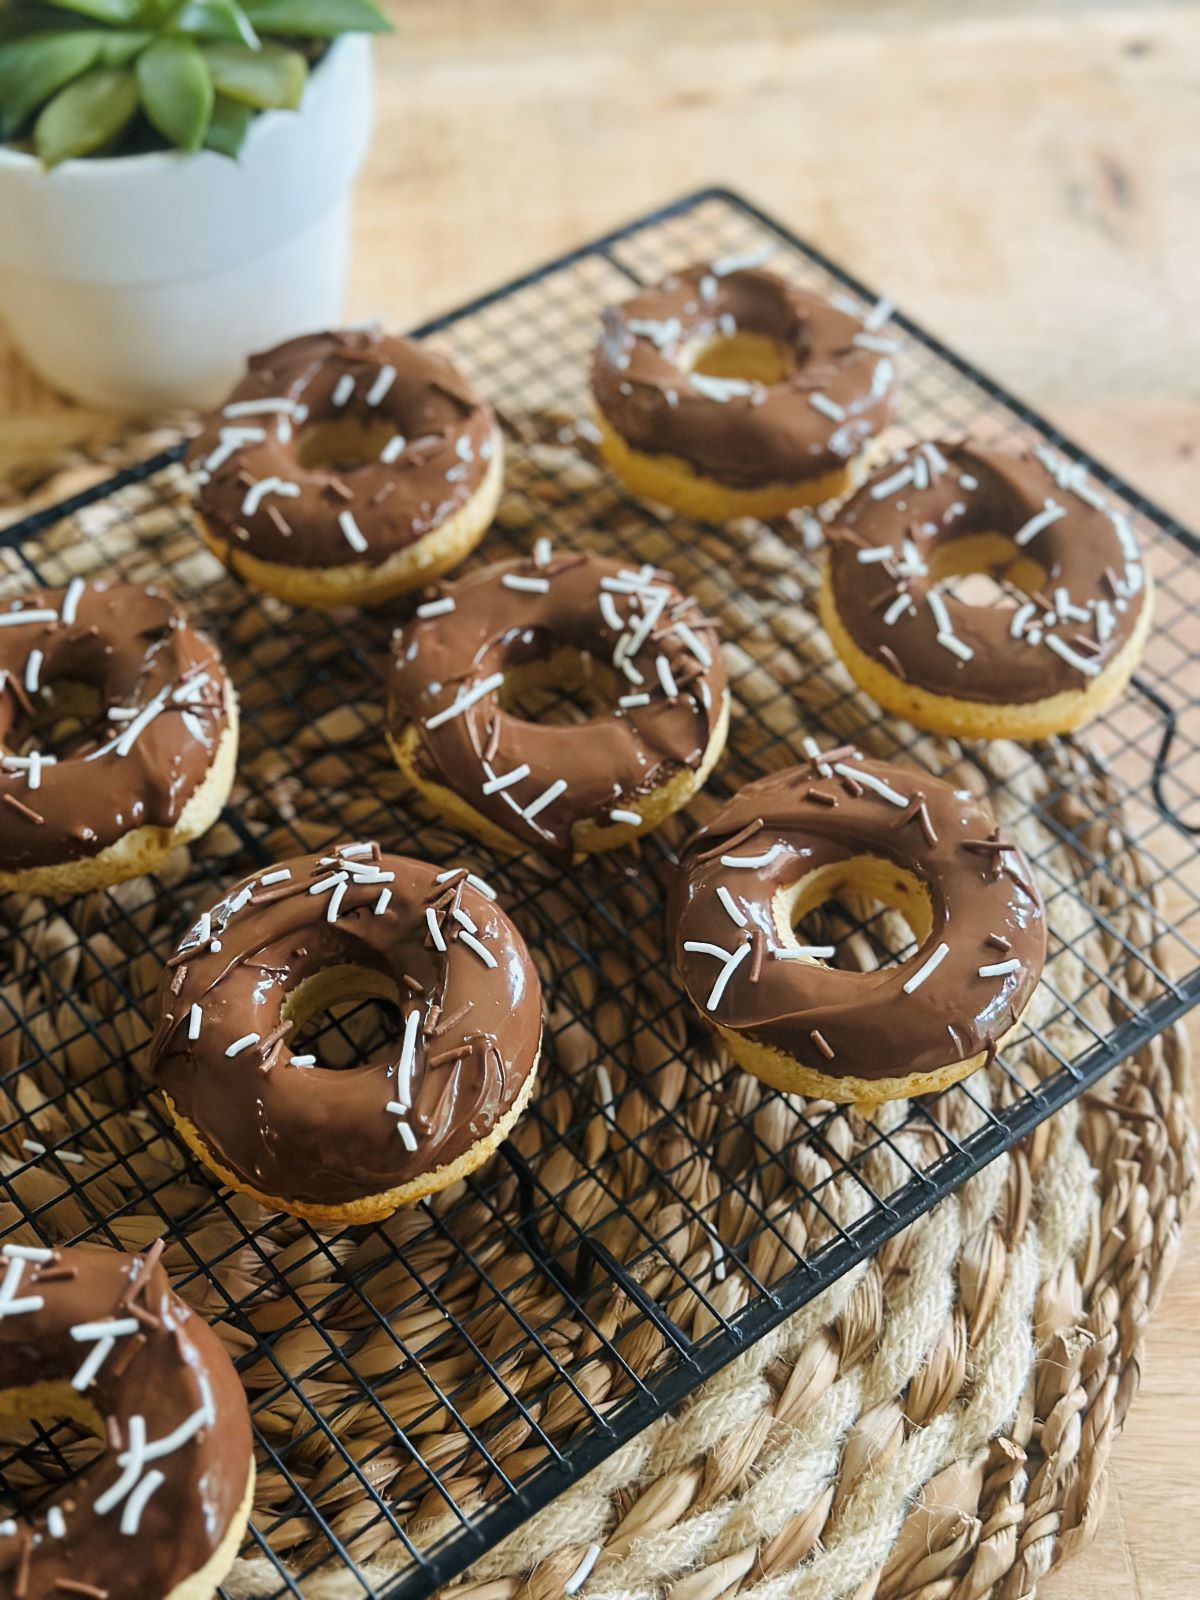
(654, 1212)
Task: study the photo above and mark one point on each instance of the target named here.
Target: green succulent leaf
(268, 79)
(316, 19)
(119, 46)
(88, 114)
(228, 126)
(118, 13)
(38, 66)
(176, 89)
(216, 19)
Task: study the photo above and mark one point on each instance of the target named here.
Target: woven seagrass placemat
(936, 1425)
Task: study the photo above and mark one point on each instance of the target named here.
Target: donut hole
(745, 355)
(986, 570)
(55, 1433)
(343, 1014)
(342, 444)
(872, 911)
(568, 687)
(67, 714)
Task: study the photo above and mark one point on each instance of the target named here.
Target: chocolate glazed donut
(844, 824)
(1068, 614)
(549, 621)
(346, 468)
(147, 735)
(99, 1337)
(727, 391)
(348, 1145)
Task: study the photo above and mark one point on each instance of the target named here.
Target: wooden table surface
(1024, 177)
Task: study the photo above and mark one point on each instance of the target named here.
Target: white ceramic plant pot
(144, 281)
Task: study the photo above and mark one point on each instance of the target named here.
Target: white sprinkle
(543, 551)
(258, 408)
(27, 1252)
(56, 1525)
(546, 798)
(827, 407)
(731, 905)
(435, 932)
(514, 580)
(708, 288)
(927, 968)
(1080, 663)
(351, 531)
(335, 902)
(720, 389)
(240, 899)
(726, 973)
(870, 781)
(903, 602)
(33, 670)
(937, 461)
(16, 1308)
(277, 875)
(659, 333)
(1104, 621)
(330, 882)
(71, 599)
(11, 619)
(742, 261)
(404, 1064)
(244, 1043)
(35, 769)
(889, 486)
(1020, 617)
(805, 952)
(92, 1362)
(392, 448)
(484, 686)
(954, 644)
(481, 950)
(665, 677)
(407, 1137)
(608, 610)
(763, 860)
(303, 1061)
(1050, 512)
(37, 1149)
(132, 1515)
(343, 389)
(579, 1577)
(694, 643)
(436, 608)
(998, 969)
(587, 429)
(484, 888)
(920, 473)
(383, 382)
(940, 615)
(132, 1459)
(628, 701)
(633, 818)
(877, 552)
(882, 376)
(870, 341)
(194, 1019)
(257, 493)
(105, 1328)
(879, 314)
(234, 439)
(465, 921)
(381, 904)
(967, 482)
(507, 779)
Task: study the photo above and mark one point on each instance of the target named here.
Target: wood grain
(1023, 177)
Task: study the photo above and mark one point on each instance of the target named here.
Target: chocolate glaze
(449, 434)
(134, 647)
(1089, 556)
(609, 761)
(985, 907)
(173, 1368)
(323, 1135)
(771, 435)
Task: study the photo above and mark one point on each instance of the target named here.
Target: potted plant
(174, 184)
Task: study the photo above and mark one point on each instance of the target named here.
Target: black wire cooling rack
(526, 344)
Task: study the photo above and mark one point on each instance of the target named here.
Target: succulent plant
(79, 77)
